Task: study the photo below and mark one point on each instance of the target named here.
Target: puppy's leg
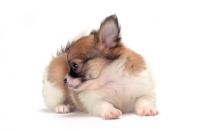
(145, 106)
(97, 106)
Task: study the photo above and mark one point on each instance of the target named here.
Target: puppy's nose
(65, 80)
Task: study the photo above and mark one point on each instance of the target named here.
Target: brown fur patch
(58, 68)
(83, 48)
(135, 62)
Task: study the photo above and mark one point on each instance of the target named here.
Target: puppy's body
(103, 77)
(121, 89)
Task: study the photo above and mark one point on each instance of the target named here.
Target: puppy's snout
(65, 80)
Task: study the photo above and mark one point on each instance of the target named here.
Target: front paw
(62, 109)
(112, 114)
(147, 111)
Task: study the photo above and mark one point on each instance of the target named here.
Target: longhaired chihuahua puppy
(98, 74)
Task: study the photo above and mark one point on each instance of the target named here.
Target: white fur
(74, 101)
(121, 90)
(53, 96)
(72, 82)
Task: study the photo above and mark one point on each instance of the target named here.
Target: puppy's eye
(74, 66)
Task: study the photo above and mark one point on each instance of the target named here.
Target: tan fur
(135, 62)
(58, 68)
(79, 47)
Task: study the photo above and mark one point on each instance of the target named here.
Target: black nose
(65, 80)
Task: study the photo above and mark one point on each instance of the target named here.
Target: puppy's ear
(109, 31)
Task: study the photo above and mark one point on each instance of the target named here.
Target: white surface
(167, 32)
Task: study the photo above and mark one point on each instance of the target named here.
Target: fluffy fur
(101, 76)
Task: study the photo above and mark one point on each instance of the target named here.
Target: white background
(167, 32)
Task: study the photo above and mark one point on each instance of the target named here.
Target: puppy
(101, 76)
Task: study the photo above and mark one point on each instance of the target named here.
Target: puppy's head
(90, 54)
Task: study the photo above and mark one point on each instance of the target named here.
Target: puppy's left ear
(109, 31)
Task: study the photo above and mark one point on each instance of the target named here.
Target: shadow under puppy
(101, 76)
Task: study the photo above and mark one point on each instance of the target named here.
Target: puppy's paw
(147, 111)
(62, 109)
(112, 114)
